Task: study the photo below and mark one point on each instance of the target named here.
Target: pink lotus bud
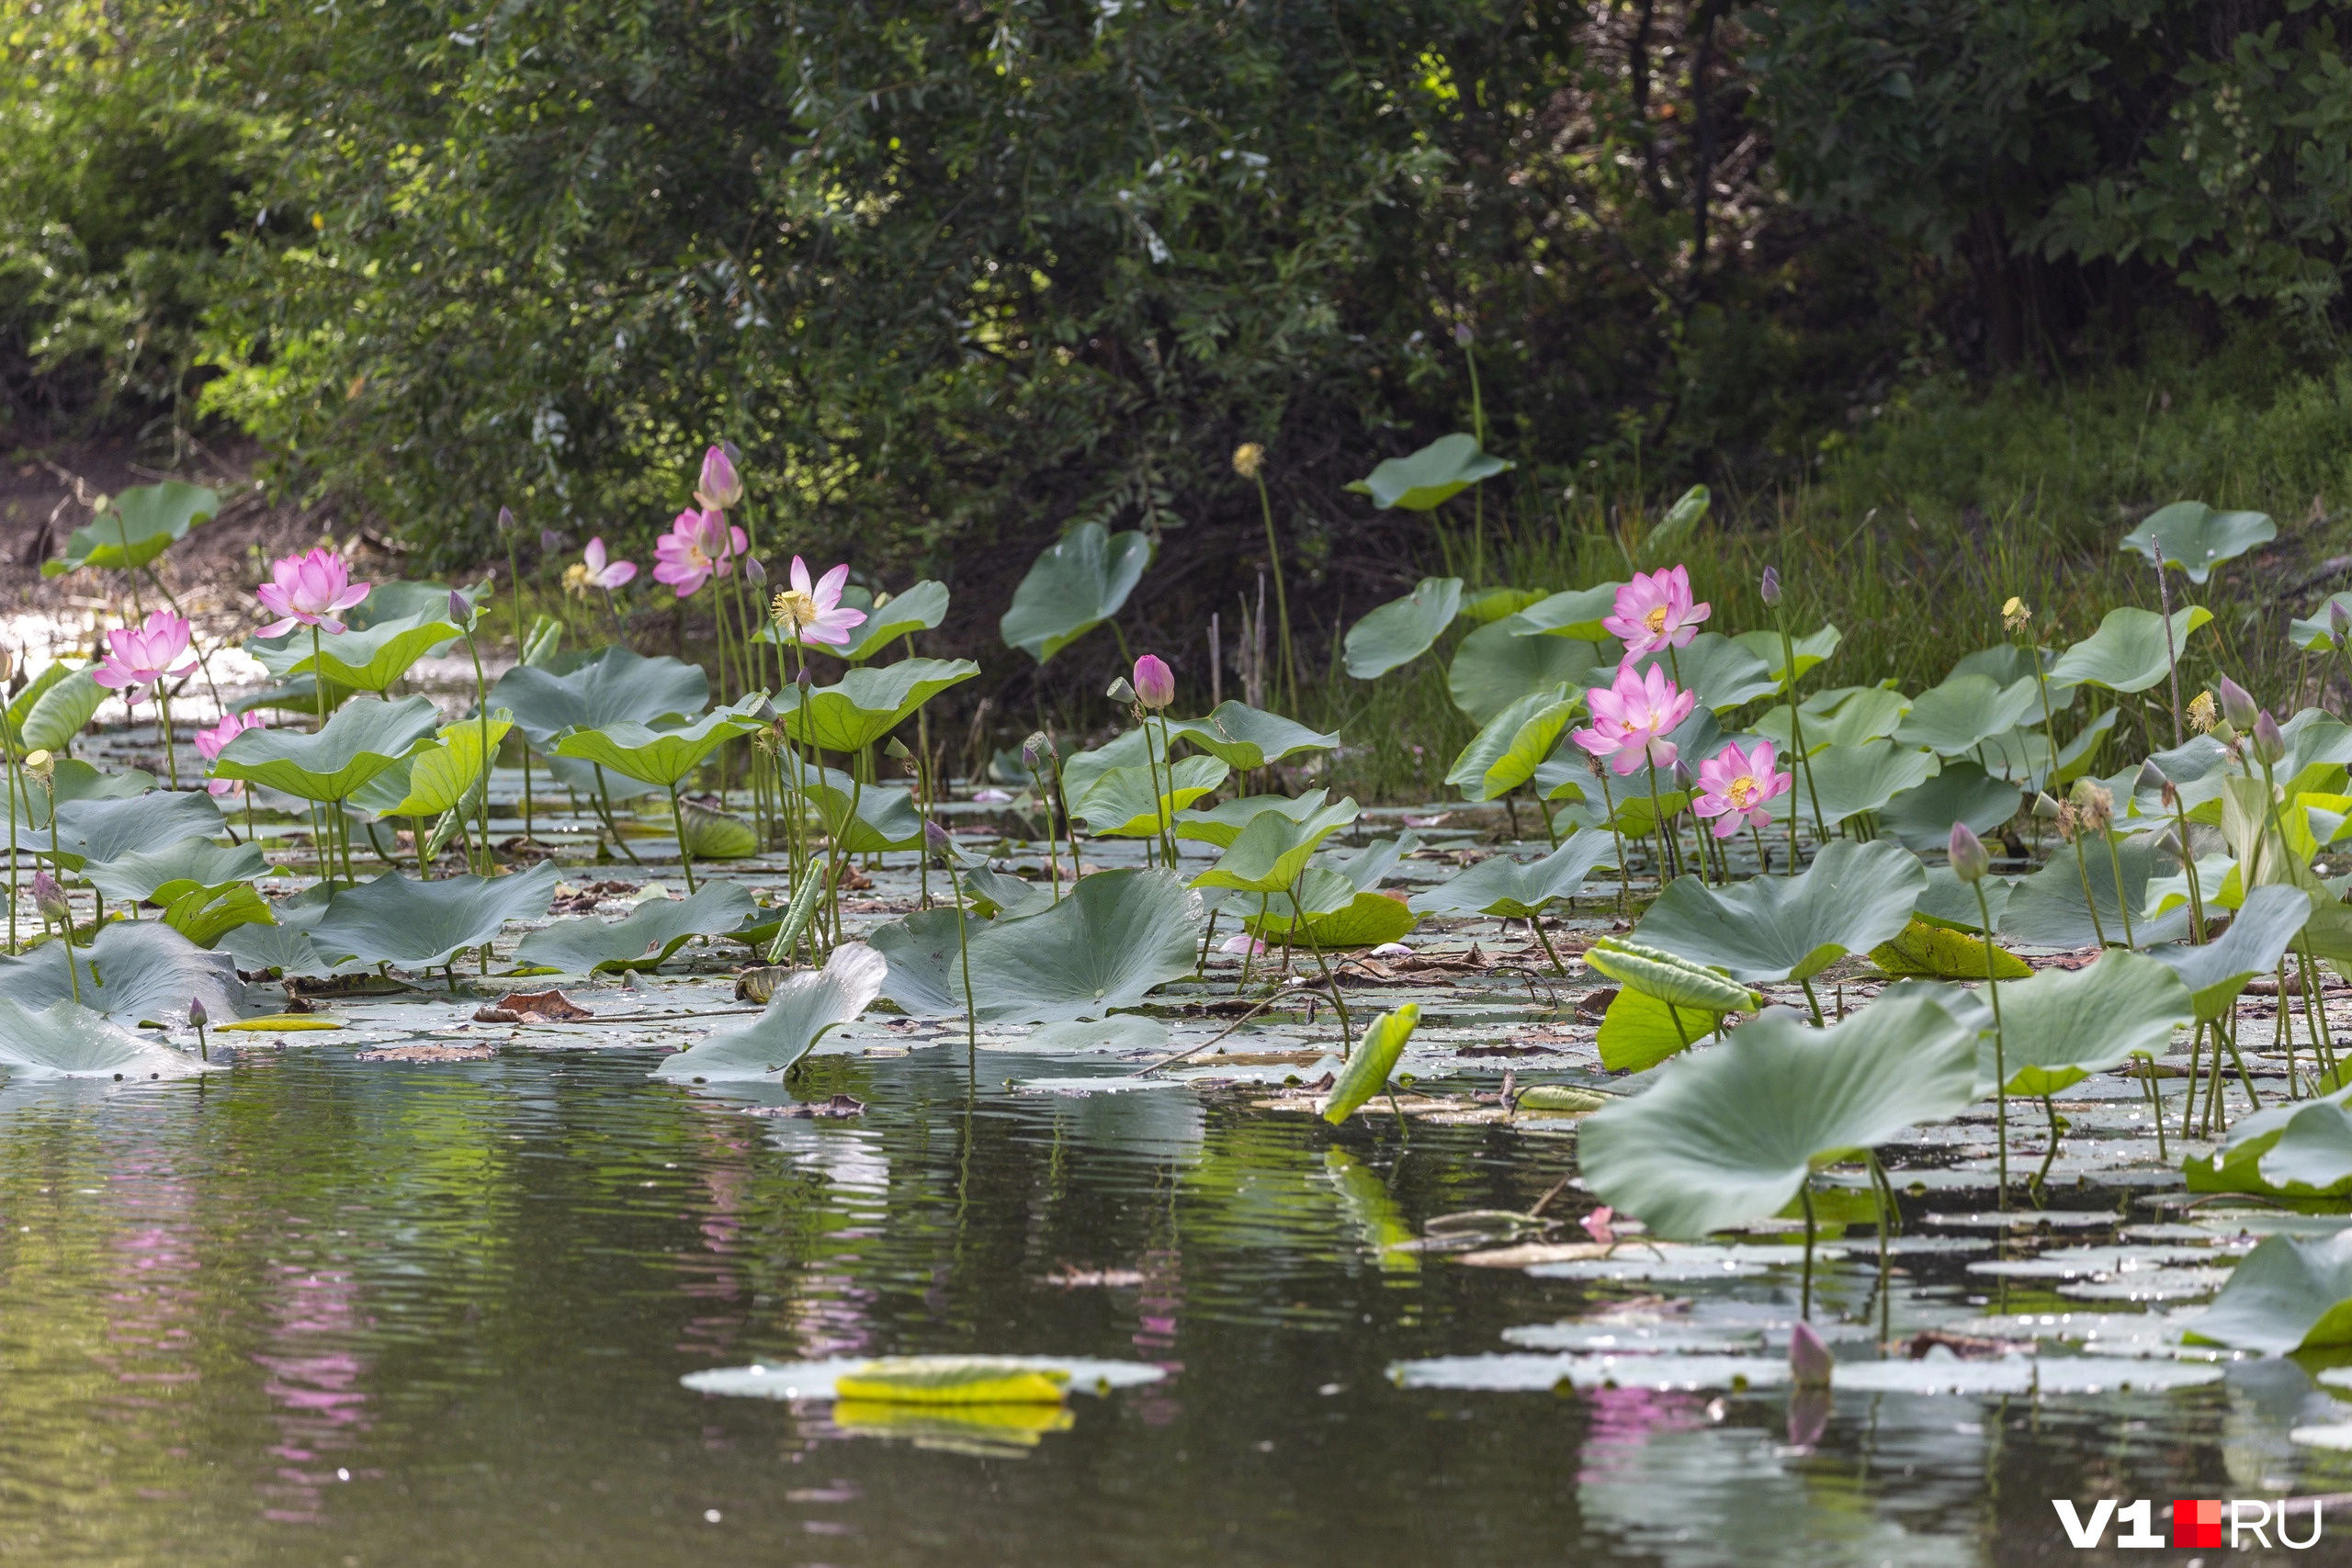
(1155, 683)
(2237, 704)
(754, 573)
(1462, 336)
(720, 488)
(1595, 1226)
(49, 898)
(1809, 1358)
(461, 610)
(935, 836)
(505, 520)
(1968, 861)
(2269, 745)
(197, 1017)
(2340, 620)
(1771, 591)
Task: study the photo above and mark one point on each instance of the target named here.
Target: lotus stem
(16, 789)
(1616, 837)
(171, 752)
(481, 706)
(1069, 827)
(1889, 1219)
(1281, 601)
(964, 950)
(2155, 1101)
(1053, 839)
(2188, 865)
(1249, 949)
(2253, 1100)
(2196, 1053)
(2000, 1055)
(2057, 1126)
(1804, 1196)
(1672, 858)
(514, 591)
(2090, 899)
(839, 852)
(2314, 986)
(1535, 924)
(1338, 1002)
(2122, 899)
(604, 809)
(1796, 740)
(678, 821)
(2172, 655)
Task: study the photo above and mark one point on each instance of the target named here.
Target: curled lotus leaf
(1489, 605)
(140, 524)
(918, 609)
(1426, 480)
(643, 940)
(1670, 977)
(2128, 652)
(1728, 1135)
(1925, 950)
(2313, 1153)
(205, 915)
(658, 756)
(1510, 889)
(2289, 1294)
(868, 702)
(886, 816)
(800, 1010)
(102, 829)
(1811, 651)
(1852, 898)
(422, 925)
(1129, 749)
(1641, 1029)
(1270, 852)
(62, 1040)
(132, 971)
(1081, 582)
(1339, 915)
(608, 686)
(2316, 632)
(161, 875)
(1495, 667)
(63, 711)
(370, 659)
(359, 742)
(1575, 614)
(1131, 803)
(2259, 933)
(712, 834)
(2062, 1025)
(2258, 1157)
(445, 770)
(1400, 631)
(1511, 745)
(1365, 1072)
(2196, 538)
(1249, 737)
(1222, 823)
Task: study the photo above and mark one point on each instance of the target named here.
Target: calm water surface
(318, 1311)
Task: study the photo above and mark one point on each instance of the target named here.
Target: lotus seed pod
(1121, 692)
(2151, 779)
(2046, 808)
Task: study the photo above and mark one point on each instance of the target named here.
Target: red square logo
(2197, 1521)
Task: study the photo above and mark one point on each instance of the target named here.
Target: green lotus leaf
(422, 925)
(798, 1013)
(1129, 749)
(1966, 711)
(1074, 587)
(886, 819)
(1131, 803)
(360, 740)
(1639, 1031)
(1852, 898)
(585, 780)
(1925, 950)
(280, 950)
(1496, 666)
(1512, 744)
(643, 940)
(1921, 817)
(866, 704)
(205, 915)
(445, 770)
(2128, 653)
(1952, 903)
(108, 829)
(611, 686)
(1402, 630)
(999, 894)
(2310, 1154)
(1489, 605)
(1365, 1072)
(182, 865)
(1848, 780)
(20, 706)
(1670, 977)
(2023, 756)
(1365, 868)
(1431, 477)
(2063, 1024)
(1273, 850)
(370, 659)
(399, 601)
(658, 756)
(1509, 889)
(77, 780)
(1577, 613)
(2048, 909)
(61, 712)
(2196, 538)
(1222, 823)
(918, 609)
(717, 835)
(2289, 1294)
(1338, 917)
(134, 971)
(62, 1040)
(1728, 1135)
(1723, 674)
(2315, 635)
(2258, 937)
(141, 524)
(1248, 737)
(1676, 529)
(1810, 650)
(1114, 936)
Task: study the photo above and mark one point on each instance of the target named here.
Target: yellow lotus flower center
(1743, 790)
(1655, 620)
(793, 609)
(576, 579)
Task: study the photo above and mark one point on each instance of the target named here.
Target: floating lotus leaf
(1114, 936)
(184, 864)
(1074, 587)
(918, 609)
(1509, 889)
(718, 835)
(1222, 823)
(2048, 910)
(1512, 744)
(61, 712)
(2196, 538)
(1848, 780)
(422, 925)
(2062, 1025)
(658, 756)
(2288, 1295)
(611, 686)
(1575, 613)
(109, 829)
(1247, 737)
(1922, 950)
(1431, 477)
(1966, 711)
(1852, 898)
(133, 972)
(1952, 903)
(866, 704)
(1810, 650)
(642, 940)
(1366, 1070)
(2258, 937)
(2317, 634)
(370, 659)
(205, 915)
(1402, 630)
(1728, 1135)
(798, 1013)
(2127, 653)
(360, 740)
(1495, 667)
(141, 524)
(2023, 756)
(820, 1379)
(1723, 674)
(1270, 852)
(284, 950)
(1131, 803)
(886, 819)
(65, 1041)
(1639, 1031)
(1921, 817)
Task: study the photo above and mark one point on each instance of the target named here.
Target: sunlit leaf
(1923, 951)
(1248, 737)
(920, 609)
(1512, 744)
(1076, 585)
(2127, 653)
(370, 659)
(1269, 853)
(866, 704)
(643, 940)
(1402, 630)
(1431, 477)
(1639, 1031)
(1132, 803)
(659, 756)
(2196, 538)
(205, 915)
(798, 1013)
(1811, 651)
(1222, 823)
(1366, 1071)
(360, 740)
(142, 524)
(1670, 977)
(1852, 898)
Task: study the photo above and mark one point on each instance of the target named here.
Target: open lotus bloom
(208, 743)
(1631, 718)
(1655, 610)
(309, 590)
(698, 546)
(811, 612)
(1736, 787)
(598, 570)
(138, 660)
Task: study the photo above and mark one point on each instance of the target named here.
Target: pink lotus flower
(1595, 1226)
(311, 590)
(811, 612)
(600, 573)
(1655, 610)
(1243, 945)
(137, 660)
(1737, 787)
(1631, 718)
(720, 488)
(1155, 683)
(698, 546)
(208, 742)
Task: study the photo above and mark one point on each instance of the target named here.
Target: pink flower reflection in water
(314, 1383)
(1622, 1421)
